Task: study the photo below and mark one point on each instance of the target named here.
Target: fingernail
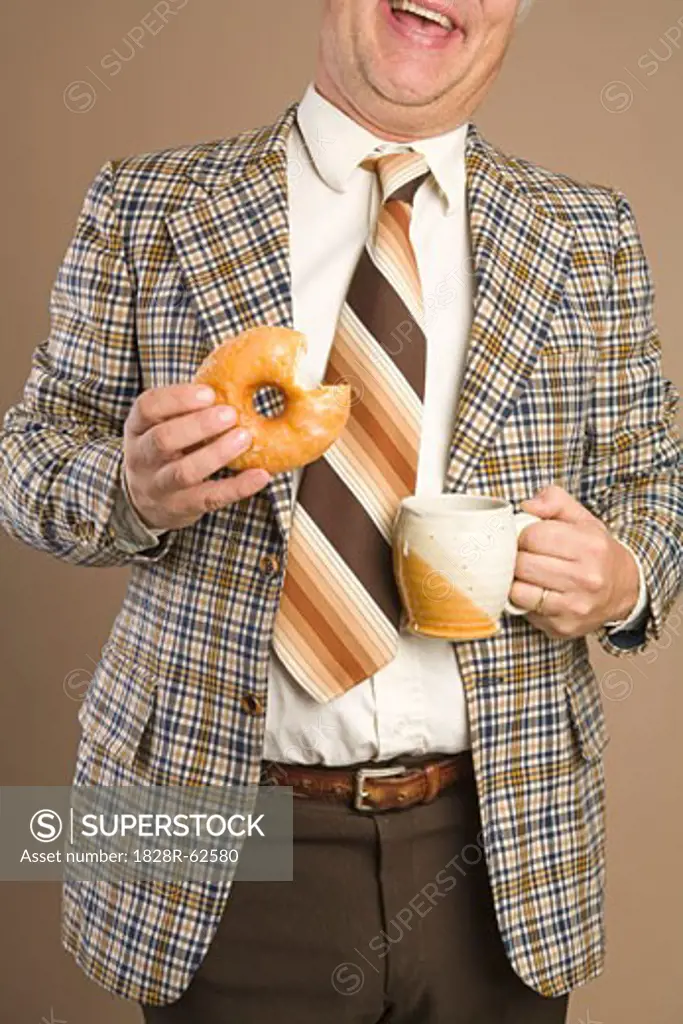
(226, 415)
(243, 437)
(205, 394)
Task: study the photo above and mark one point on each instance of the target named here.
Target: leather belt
(372, 788)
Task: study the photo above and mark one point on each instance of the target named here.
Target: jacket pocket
(118, 704)
(585, 710)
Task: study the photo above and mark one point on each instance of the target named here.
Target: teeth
(424, 12)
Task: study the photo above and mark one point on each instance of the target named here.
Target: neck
(396, 124)
(324, 85)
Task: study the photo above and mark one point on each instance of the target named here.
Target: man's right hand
(174, 439)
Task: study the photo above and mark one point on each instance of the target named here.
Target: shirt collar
(337, 144)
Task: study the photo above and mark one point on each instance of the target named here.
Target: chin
(413, 80)
(407, 88)
(411, 85)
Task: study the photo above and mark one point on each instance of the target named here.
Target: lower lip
(413, 35)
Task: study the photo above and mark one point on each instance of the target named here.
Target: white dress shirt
(416, 704)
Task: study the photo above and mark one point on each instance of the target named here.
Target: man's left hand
(589, 576)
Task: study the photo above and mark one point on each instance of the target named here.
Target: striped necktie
(339, 614)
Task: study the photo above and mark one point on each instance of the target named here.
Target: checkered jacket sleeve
(632, 478)
(61, 446)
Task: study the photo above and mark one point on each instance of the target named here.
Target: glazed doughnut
(312, 419)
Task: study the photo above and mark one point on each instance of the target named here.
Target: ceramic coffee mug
(454, 561)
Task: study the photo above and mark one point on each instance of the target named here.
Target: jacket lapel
(521, 256)
(233, 247)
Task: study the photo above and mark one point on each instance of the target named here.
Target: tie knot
(400, 174)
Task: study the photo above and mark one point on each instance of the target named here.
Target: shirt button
(252, 704)
(269, 565)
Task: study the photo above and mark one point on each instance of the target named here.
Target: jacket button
(252, 704)
(269, 565)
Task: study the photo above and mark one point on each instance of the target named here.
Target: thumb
(554, 502)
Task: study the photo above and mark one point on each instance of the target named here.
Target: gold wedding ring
(538, 608)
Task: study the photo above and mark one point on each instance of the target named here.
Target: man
(466, 882)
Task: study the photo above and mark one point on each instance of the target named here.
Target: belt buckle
(372, 773)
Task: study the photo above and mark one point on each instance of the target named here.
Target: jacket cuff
(652, 552)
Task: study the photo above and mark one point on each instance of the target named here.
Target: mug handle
(522, 520)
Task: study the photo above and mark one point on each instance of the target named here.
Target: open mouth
(425, 22)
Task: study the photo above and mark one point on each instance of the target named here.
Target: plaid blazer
(173, 252)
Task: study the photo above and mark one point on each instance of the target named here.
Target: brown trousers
(389, 919)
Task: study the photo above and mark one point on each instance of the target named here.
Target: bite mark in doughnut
(312, 418)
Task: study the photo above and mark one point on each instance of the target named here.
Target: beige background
(216, 67)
